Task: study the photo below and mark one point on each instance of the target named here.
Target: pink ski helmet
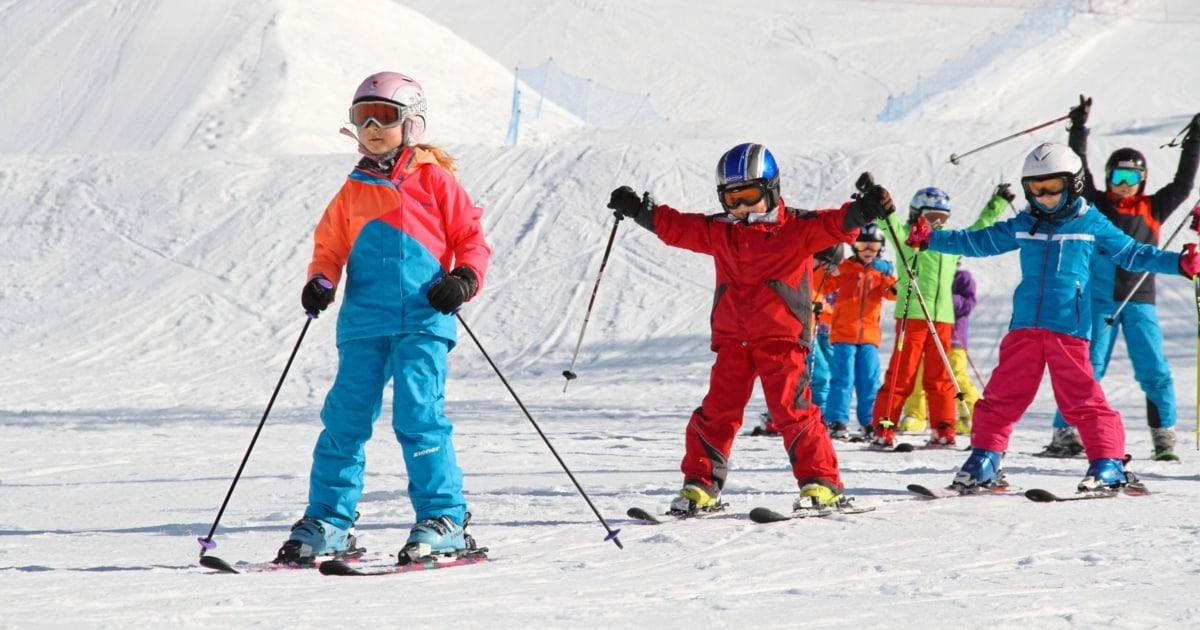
(400, 90)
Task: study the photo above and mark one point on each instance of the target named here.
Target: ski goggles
(935, 217)
(384, 114)
(1125, 177)
(1045, 187)
(868, 246)
(746, 195)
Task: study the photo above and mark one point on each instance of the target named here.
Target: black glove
(317, 295)
(876, 203)
(1079, 113)
(626, 203)
(818, 308)
(1005, 190)
(454, 288)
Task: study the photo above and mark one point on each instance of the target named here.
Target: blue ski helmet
(928, 199)
(748, 163)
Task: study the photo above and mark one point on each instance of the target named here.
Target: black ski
(1039, 495)
(900, 447)
(1079, 455)
(224, 566)
(950, 491)
(428, 563)
(767, 515)
(651, 518)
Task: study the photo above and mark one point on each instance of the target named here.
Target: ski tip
(336, 567)
(767, 515)
(213, 562)
(903, 447)
(1040, 496)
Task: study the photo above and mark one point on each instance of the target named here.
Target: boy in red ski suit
(761, 318)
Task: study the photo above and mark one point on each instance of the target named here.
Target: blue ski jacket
(1056, 262)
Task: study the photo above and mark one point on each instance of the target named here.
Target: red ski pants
(781, 366)
(1024, 356)
(916, 346)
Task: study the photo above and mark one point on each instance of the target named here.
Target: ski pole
(1191, 247)
(864, 183)
(207, 543)
(899, 349)
(612, 534)
(1175, 141)
(1145, 274)
(569, 373)
(816, 324)
(954, 157)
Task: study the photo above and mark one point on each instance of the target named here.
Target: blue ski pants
(416, 365)
(821, 357)
(858, 371)
(1144, 344)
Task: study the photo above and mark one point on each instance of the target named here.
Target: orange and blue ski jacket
(396, 233)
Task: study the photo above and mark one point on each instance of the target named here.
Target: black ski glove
(875, 203)
(454, 288)
(1193, 130)
(317, 295)
(1079, 113)
(626, 203)
(1005, 190)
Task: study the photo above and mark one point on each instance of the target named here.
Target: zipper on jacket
(1079, 294)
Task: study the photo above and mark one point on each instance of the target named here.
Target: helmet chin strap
(362, 149)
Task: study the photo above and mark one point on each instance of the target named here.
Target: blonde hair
(427, 153)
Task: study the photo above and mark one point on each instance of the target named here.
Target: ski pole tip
(614, 536)
(207, 543)
(570, 376)
(954, 159)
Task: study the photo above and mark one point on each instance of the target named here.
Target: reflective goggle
(935, 217)
(384, 114)
(742, 196)
(1046, 187)
(868, 246)
(1125, 176)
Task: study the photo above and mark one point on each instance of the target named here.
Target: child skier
(761, 318)
(1057, 237)
(916, 344)
(411, 243)
(863, 283)
(963, 289)
(825, 264)
(1125, 202)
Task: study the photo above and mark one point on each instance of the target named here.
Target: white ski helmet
(1049, 160)
(399, 90)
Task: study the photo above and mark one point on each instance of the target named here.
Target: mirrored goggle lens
(868, 246)
(1125, 176)
(1046, 187)
(745, 196)
(936, 217)
(384, 114)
